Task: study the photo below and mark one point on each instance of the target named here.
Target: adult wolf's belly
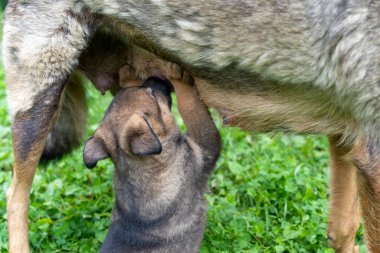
(278, 108)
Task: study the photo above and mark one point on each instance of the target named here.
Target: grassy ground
(268, 194)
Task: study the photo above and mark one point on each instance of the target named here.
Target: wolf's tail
(70, 126)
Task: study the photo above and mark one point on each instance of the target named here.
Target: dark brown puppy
(161, 175)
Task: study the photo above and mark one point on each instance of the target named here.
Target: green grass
(268, 193)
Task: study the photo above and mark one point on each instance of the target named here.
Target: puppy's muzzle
(160, 87)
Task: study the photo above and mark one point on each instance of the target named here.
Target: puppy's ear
(144, 141)
(94, 151)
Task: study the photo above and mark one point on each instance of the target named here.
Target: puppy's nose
(158, 85)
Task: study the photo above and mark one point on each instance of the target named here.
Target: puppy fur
(161, 175)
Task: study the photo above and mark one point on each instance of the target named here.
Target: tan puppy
(161, 175)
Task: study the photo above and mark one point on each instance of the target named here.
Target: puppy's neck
(146, 186)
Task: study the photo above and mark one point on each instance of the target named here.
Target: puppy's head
(136, 124)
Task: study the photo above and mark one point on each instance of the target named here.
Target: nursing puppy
(267, 65)
(161, 175)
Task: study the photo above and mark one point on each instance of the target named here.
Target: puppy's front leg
(197, 119)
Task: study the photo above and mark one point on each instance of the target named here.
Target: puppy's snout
(160, 86)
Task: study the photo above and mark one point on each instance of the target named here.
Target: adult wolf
(266, 65)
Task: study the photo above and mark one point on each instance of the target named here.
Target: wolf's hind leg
(366, 157)
(40, 51)
(344, 209)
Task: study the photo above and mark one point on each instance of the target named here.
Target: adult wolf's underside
(302, 66)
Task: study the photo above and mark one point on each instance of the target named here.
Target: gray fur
(317, 46)
(70, 126)
(160, 205)
(266, 65)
